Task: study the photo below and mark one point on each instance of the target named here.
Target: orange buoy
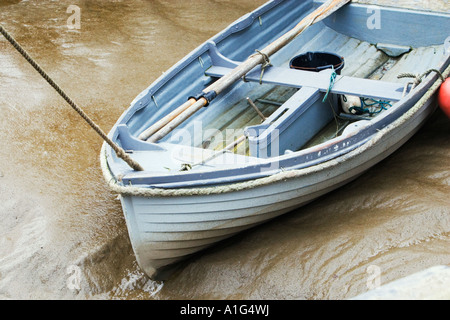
(444, 97)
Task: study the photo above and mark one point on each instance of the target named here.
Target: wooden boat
(231, 166)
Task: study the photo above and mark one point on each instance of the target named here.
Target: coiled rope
(118, 150)
(370, 106)
(264, 65)
(418, 77)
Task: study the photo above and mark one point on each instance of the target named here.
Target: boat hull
(173, 214)
(167, 230)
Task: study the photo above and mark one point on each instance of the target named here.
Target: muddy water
(62, 233)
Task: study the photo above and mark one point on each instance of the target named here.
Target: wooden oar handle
(178, 120)
(164, 121)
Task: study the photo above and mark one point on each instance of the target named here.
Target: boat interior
(280, 110)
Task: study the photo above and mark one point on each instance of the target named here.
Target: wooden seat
(375, 89)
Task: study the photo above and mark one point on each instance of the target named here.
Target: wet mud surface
(62, 232)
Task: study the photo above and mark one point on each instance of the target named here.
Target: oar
(167, 124)
(161, 123)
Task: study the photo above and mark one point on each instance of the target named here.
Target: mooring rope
(118, 150)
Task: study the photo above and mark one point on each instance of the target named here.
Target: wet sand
(63, 235)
